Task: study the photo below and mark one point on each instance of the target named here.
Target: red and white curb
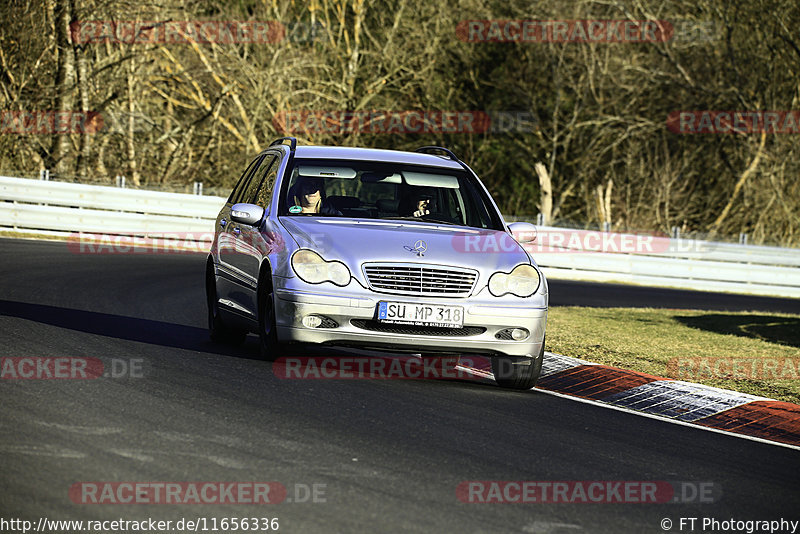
(681, 402)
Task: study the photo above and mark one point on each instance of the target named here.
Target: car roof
(375, 154)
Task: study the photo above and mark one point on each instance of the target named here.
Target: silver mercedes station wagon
(376, 249)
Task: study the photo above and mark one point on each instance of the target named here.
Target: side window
(249, 194)
(236, 194)
(264, 193)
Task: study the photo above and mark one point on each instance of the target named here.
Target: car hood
(359, 241)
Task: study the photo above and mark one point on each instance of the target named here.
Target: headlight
(312, 268)
(522, 281)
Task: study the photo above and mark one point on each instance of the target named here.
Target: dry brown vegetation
(178, 113)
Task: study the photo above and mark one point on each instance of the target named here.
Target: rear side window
(249, 195)
(264, 193)
(236, 194)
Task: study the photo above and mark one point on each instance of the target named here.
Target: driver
(310, 194)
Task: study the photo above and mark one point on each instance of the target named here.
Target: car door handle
(223, 222)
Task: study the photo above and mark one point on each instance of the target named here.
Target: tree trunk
(545, 193)
(65, 74)
(85, 147)
(130, 141)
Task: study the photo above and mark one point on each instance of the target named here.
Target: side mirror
(523, 232)
(249, 214)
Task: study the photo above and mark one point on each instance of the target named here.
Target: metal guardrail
(44, 206)
(749, 278)
(667, 262)
(39, 206)
(647, 244)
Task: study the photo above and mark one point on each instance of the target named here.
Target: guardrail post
(44, 174)
(676, 232)
(606, 226)
(742, 239)
(198, 188)
(121, 181)
(540, 219)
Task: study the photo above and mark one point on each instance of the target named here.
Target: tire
(517, 372)
(267, 331)
(218, 331)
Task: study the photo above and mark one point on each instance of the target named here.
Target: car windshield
(377, 190)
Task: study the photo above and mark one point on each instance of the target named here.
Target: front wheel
(267, 331)
(517, 372)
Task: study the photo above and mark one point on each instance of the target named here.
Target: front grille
(415, 279)
(377, 326)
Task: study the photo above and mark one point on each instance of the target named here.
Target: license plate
(421, 314)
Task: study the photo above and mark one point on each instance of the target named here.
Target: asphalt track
(389, 454)
(575, 293)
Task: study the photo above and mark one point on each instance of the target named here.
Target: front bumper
(354, 314)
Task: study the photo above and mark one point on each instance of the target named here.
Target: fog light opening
(513, 334)
(312, 321)
(518, 334)
(319, 321)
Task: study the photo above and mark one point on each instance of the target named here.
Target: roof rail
(280, 140)
(430, 148)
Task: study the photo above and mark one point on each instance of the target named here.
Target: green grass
(683, 344)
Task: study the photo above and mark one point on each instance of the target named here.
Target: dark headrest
(342, 202)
